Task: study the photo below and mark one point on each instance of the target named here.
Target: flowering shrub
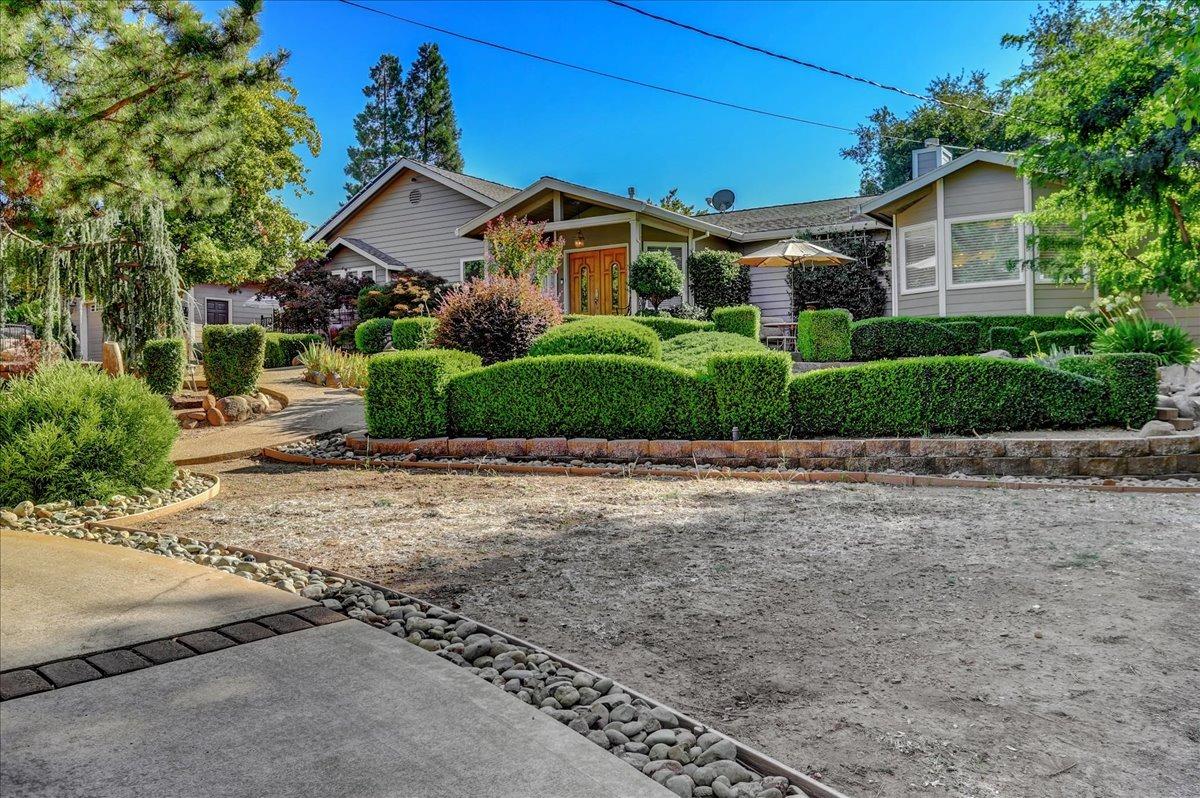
(411, 293)
(496, 318)
(518, 248)
(1122, 327)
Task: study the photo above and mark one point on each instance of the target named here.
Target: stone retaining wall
(1042, 457)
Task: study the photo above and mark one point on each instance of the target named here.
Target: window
(985, 251)
(675, 250)
(918, 258)
(1056, 239)
(356, 273)
(473, 268)
(216, 311)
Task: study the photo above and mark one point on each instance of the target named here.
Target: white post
(941, 247)
(1023, 245)
(635, 249)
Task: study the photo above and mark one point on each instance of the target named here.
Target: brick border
(1040, 457)
(34, 679)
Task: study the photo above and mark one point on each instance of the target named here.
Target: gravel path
(892, 641)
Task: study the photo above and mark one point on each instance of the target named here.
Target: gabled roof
(931, 177)
(478, 189)
(826, 215)
(595, 195)
(373, 254)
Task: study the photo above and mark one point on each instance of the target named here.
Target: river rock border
(696, 762)
(1040, 457)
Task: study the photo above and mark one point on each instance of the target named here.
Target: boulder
(111, 357)
(1185, 404)
(234, 408)
(1152, 429)
(296, 361)
(214, 417)
(1001, 353)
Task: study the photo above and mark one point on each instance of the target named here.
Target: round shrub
(72, 432)
(233, 358)
(413, 333)
(163, 363)
(741, 319)
(655, 276)
(497, 319)
(599, 335)
(890, 337)
(717, 279)
(282, 348)
(373, 335)
(693, 350)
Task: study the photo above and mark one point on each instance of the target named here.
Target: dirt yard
(892, 641)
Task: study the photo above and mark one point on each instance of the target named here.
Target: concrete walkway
(312, 410)
(340, 708)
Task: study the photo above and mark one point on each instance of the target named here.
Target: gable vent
(414, 196)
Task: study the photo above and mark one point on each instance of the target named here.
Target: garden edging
(1059, 457)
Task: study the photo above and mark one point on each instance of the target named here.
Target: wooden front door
(599, 282)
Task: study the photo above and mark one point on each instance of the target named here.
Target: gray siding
(769, 290)
(982, 188)
(923, 210)
(421, 235)
(346, 258)
(1186, 317)
(1000, 300)
(244, 309)
(925, 304)
(1055, 300)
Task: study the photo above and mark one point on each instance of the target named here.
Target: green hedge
(72, 432)
(406, 391)
(741, 319)
(823, 336)
(669, 327)
(604, 396)
(1023, 322)
(968, 333)
(281, 348)
(233, 358)
(1080, 340)
(693, 350)
(414, 332)
(599, 335)
(373, 335)
(1010, 339)
(750, 391)
(1131, 382)
(890, 337)
(163, 363)
(940, 394)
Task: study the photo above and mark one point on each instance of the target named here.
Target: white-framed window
(1044, 253)
(984, 250)
(356, 272)
(918, 258)
(469, 268)
(674, 248)
(218, 311)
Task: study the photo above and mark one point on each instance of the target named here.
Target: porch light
(579, 239)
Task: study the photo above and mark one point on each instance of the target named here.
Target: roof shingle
(797, 216)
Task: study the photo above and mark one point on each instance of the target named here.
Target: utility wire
(622, 78)
(797, 61)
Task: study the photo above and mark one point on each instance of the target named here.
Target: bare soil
(892, 641)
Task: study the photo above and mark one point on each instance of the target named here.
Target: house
(954, 238)
(202, 304)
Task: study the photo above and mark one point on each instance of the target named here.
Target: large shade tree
(1107, 99)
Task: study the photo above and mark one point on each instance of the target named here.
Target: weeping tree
(116, 119)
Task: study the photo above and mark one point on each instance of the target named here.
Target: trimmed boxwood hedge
(741, 319)
(233, 358)
(693, 350)
(163, 362)
(750, 392)
(669, 327)
(406, 391)
(1080, 339)
(281, 348)
(823, 336)
(1023, 322)
(1010, 339)
(604, 396)
(968, 333)
(414, 332)
(940, 394)
(599, 335)
(373, 335)
(890, 337)
(1131, 382)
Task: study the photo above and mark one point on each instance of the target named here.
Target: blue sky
(522, 119)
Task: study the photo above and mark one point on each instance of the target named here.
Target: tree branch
(111, 110)
(1184, 236)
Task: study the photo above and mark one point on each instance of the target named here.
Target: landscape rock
(1000, 353)
(1156, 428)
(234, 408)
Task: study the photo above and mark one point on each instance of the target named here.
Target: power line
(621, 78)
(797, 61)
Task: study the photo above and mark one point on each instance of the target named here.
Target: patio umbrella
(794, 252)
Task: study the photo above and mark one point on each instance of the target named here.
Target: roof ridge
(786, 204)
(446, 171)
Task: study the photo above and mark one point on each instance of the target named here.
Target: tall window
(985, 251)
(918, 252)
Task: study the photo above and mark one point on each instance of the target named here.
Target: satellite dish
(721, 201)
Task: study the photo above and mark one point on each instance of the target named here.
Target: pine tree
(382, 127)
(435, 132)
